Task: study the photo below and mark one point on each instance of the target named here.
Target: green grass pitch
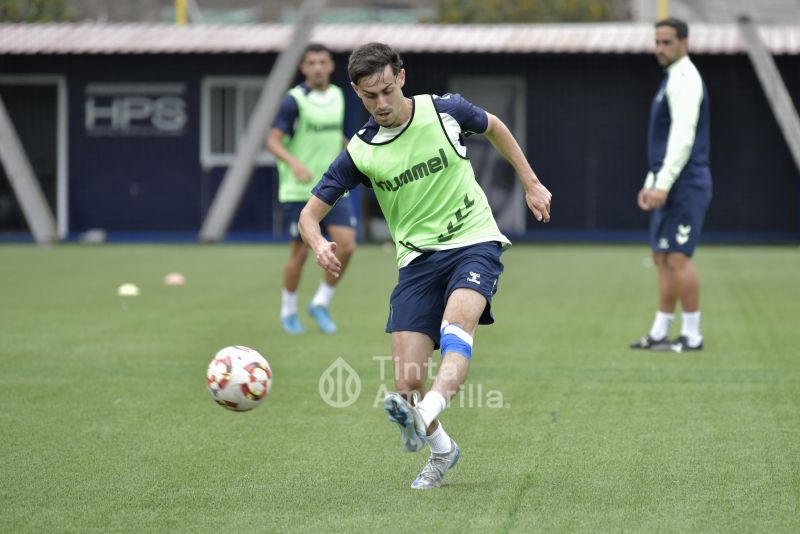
(106, 424)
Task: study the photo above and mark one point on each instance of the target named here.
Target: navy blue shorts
(341, 214)
(676, 226)
(423, 287)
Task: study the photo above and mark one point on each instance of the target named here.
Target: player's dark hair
(372, 58)
(316, 47)
(680, 27)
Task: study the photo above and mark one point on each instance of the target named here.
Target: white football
(239, 378)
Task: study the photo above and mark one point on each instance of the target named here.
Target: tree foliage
(34, 11)
(500, 11)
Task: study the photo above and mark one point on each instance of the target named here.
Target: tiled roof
(611, 38)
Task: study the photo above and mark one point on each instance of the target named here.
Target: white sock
(431, 406)
(690, 327)
(661, 324)
(288, 303)
(439, 441)
(323, 295)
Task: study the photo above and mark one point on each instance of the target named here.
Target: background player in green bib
(411, 153)
(305, 138)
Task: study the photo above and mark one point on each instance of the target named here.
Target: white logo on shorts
(663, 243)
(683, 234)
(473, 277)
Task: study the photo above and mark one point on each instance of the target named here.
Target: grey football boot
(412, 427)
(438, 464)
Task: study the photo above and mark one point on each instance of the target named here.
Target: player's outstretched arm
(324, 251)
(537, 196)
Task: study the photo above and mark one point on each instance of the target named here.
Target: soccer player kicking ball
(411, 153)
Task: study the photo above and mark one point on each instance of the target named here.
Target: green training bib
(426, 190)
(316, 142)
